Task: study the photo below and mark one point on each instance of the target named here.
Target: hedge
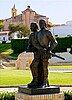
(68, 95)
(63, 44)
(7, 96)
(20, 45)
(3, 42)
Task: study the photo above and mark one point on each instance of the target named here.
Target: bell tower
(14, 11)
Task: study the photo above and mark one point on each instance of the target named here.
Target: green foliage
(11, 95)
(69, 35)
(68, 95)
(7, 96)
(63, 44)
(5, 48)
(12, 28)
(56, 36)
(3, 42)
(1, 25)
(21, 29)
(71, 49)
(19, 45)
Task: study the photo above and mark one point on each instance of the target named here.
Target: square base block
(37, 91)
(22, 96)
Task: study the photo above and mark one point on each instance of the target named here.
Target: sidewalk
(66, 89)
(8, 89)
(60, 70)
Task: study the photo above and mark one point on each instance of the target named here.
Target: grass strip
(22, 77)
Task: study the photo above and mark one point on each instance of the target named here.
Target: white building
(4, 36)
(62, 30)
(14, 35)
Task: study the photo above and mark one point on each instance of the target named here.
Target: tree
(21, 29)
(12, 28)
(24, 30)
(1, 26)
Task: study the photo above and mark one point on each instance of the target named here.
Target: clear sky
(58, 11)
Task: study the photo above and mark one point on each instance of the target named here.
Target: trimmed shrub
(68, 95)
(19, 45)
(7, 96)
(71, 49)
(63, 44)
(3, 42)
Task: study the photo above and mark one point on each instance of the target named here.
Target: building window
(3, 38)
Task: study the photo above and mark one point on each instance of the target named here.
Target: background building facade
(27, 16)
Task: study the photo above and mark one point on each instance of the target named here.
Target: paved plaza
(13, 89)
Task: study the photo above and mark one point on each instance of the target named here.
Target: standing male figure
(47, 42)
(33, 46)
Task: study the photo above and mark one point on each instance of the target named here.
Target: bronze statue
(41, 43)
(47, 42)
(31, 48)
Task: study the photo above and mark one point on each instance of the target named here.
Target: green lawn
(60, 78)
(16, 77)
(22, 77)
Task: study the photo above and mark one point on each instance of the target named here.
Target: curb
(16, 86)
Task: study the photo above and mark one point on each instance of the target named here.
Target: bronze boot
(34, 83)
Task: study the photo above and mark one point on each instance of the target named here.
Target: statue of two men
(41, 43)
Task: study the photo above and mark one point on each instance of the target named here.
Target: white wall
(63, 30)
(3, 37)
(14, 35)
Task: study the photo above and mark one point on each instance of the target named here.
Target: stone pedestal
(49, 93)
(37, 91)
(22, 96)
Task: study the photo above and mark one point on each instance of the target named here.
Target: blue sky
(58, 11)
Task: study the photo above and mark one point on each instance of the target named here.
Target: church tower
(14, 11)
